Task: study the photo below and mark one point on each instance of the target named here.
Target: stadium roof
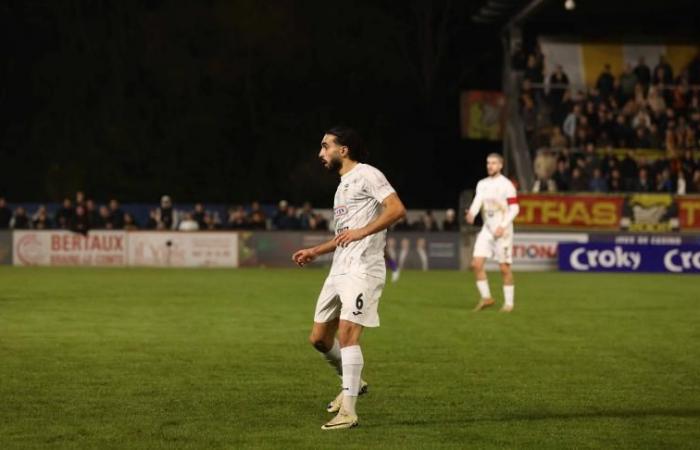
(670, 18)
(500, 11)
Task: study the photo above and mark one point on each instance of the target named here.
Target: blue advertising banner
(609, 257)
(645, 239)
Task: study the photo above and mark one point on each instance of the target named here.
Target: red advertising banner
(62, 248)
(570, 211)
(689, 212)
(121, 248)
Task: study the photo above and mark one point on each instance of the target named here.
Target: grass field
(131, 358)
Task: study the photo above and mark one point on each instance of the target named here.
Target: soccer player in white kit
(365, 206)
(497, 200)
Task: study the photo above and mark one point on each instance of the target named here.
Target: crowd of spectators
(427, 222)
(82, 214)
(78, 215)
(572, 130)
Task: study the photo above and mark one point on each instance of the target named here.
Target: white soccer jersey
(358, 201)
(494, 195)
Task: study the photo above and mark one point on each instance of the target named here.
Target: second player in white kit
(496, 199)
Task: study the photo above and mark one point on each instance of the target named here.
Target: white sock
(352, 373)
(402, 257)
(423, 255)
(509, 294)
(483, 286)
(334, 359)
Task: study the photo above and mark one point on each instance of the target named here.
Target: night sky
(226, 101)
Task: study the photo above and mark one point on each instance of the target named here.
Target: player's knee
(507, 274)
(319, 344)
(477, 266)
(348, 336)
(347, 340)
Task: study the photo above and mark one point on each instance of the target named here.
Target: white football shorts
(501, 249)
(352, 297)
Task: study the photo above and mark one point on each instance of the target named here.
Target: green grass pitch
(205, 359)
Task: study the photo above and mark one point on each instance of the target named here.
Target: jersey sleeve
(513, 207)
(511, 194)
(475, 207)
(377, 185)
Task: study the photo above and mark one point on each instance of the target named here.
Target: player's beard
(334, 164)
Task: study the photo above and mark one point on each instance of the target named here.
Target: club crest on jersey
(340, 210)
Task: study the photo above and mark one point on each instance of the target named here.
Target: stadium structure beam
(523, 14)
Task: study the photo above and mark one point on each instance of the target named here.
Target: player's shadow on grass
(537, 416)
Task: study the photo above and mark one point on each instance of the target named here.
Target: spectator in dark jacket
(643, 73)
(606, 82)
(92, 213)
(426, 222)
(663, 72)
(198, 215)
(65, 214)
(450, 223)
(579, 182)
(561, 176)
(41, 219)
(559, 82)
(237, 219)
(642, 183)
(598, 183)
(116, 215)
(80, 222)
(20, 221)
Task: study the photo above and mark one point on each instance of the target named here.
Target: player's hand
(304, 256)
(348, 236)
(499, 232)
(470, 218)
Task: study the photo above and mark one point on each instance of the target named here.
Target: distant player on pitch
(498, 202)
(365, 205)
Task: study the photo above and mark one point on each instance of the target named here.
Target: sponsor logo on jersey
(340, 210)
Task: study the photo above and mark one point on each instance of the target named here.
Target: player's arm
(306, 255)
(475, 207)
(392, 210)
(513, 210)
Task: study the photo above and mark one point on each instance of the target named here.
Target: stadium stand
(634, 131)
(83, 214)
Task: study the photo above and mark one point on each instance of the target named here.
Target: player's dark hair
(346, 136)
